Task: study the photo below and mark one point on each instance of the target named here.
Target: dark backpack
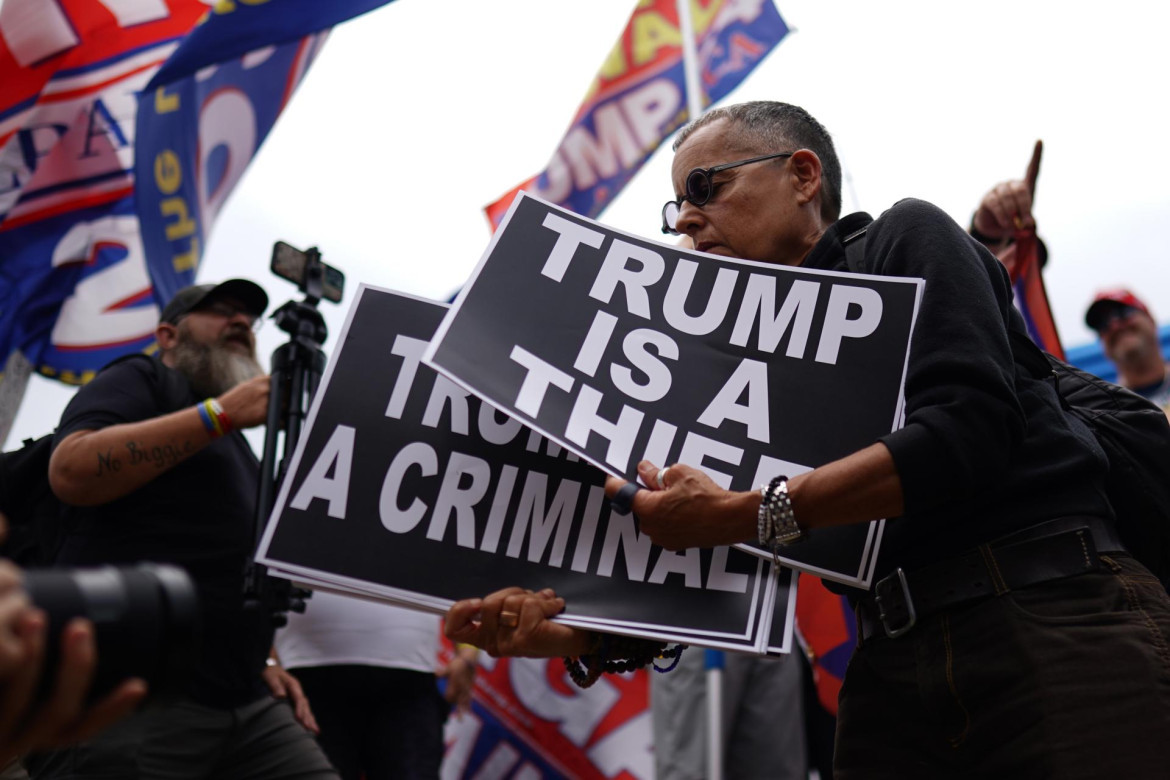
(1133, 432)
(35, 526)
(1135, 435)
(36, 517)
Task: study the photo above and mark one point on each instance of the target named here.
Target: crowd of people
(1009, 631)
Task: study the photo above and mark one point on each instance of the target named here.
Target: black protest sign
(620, 349)
(406, 485)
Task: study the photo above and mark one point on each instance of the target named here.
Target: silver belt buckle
(911, 615)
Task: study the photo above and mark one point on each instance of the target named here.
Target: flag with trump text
(123, 126)
(527, 722)
(639, 97)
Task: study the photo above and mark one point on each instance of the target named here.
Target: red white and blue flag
(827, 629)
(640, 96)
(123, 126)
(528, 720)
(1031, 297)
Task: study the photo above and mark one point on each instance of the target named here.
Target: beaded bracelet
(619, 654)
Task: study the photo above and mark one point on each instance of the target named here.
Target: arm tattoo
(161, 457)
(107, 463)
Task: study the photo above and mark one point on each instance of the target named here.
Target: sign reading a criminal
(407, 488)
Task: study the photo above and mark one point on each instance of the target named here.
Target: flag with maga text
(640, 96)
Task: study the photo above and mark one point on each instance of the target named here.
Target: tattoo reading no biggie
(161, 457)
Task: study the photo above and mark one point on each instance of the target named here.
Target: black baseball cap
(250, 294)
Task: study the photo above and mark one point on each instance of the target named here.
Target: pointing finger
(1034, 168)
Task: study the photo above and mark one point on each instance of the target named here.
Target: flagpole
(713, 661)
(13, 383)
(690, 60)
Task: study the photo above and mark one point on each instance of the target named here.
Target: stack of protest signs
(454, 451)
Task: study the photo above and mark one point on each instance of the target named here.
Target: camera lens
(145, 617)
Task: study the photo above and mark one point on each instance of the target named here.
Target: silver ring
(660, 478)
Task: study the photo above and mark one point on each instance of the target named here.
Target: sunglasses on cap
(1114, 315)
(699, 189)
(227, 311)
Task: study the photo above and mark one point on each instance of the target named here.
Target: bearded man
(150, 461)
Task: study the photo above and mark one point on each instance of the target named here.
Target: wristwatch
(777, 521)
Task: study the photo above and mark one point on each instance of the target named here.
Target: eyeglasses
(699, 189)
(1115, 315)
(227, 311)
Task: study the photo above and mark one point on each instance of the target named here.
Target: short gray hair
(768, 126)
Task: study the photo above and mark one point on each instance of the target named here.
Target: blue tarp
(1092, 359)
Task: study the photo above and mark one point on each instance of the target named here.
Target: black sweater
(985, 448)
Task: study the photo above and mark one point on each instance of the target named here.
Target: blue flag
(123, 127)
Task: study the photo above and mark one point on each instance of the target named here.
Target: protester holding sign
(1003, 595)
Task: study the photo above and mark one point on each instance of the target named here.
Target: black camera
(146, 624)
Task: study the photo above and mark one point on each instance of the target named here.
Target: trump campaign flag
(123, 126)
(527, 722)
(643, 94)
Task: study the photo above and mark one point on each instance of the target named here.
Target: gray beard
(212, 370)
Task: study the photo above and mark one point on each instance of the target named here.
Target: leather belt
(1052, 550)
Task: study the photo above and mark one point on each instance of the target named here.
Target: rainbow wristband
(205, 416)
(215, 420)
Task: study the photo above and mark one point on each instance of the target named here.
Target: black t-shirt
(197, 515)
(985, 449)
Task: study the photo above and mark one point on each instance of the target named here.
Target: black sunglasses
(700, 188)
(1115, 314)
(227, 311)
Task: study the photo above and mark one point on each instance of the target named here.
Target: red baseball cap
(1109, 299)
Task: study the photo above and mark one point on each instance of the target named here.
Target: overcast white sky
(418, 114)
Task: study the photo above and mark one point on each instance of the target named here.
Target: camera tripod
(296, 371)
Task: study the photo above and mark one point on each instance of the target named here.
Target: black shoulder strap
(855, 251)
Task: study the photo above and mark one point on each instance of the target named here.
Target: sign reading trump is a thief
(620, 349)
